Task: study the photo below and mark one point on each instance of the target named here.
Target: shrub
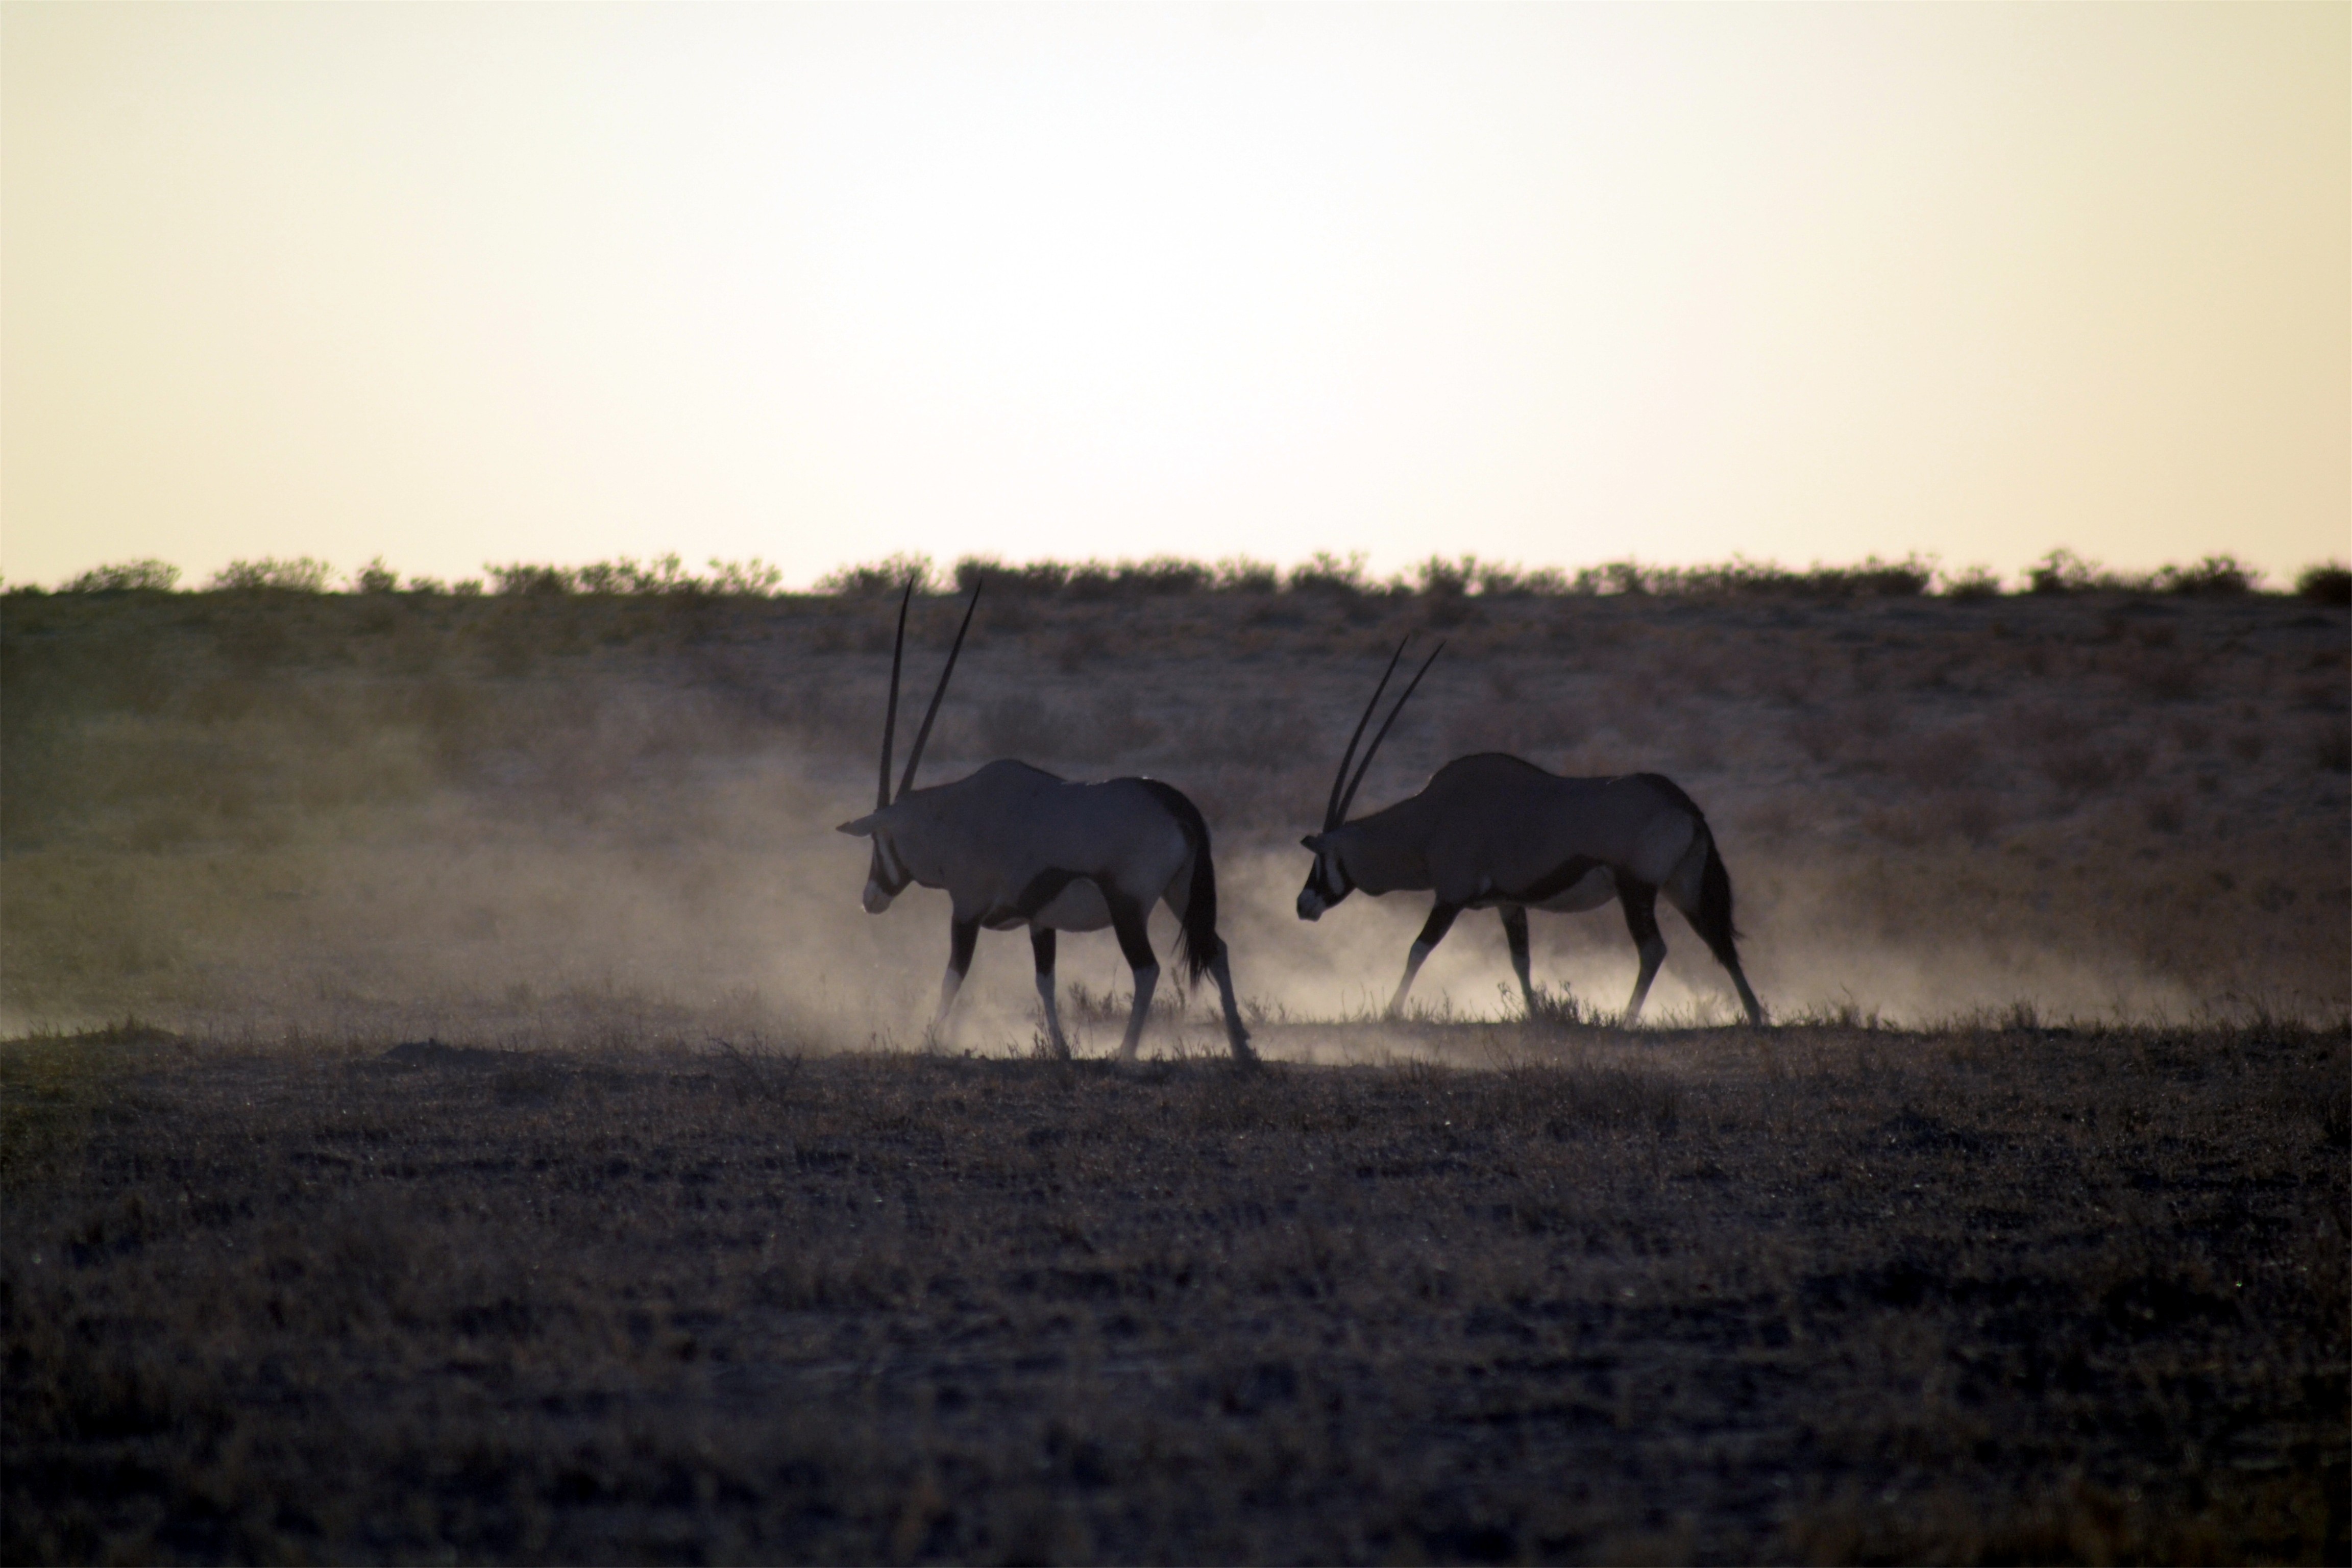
(666, 574)
(374, 577)
(1614, 577)
(1324, 573)
(2062, 572)
(520, 579)
(1738, 578)
(301, 575)
(2329, 582)
(1094, 580)
(125, 576)
(1438, 578)
(873, 578)
(1037, 579)
(1498, 581)
(754, 578)
(1163, 575)
(1973, 582)
(1240, 574)
(2216, 576)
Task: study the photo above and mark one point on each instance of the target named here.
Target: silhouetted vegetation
(1438, 578)
(2216, 576)
(2330, 584)
(300, 574)
(125, 576)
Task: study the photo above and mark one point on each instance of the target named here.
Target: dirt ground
(1806, 1294)
(456, 1107)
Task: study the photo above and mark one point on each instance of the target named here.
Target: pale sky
(1554, 284)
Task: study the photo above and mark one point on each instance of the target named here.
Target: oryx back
(1503, 831)
(1015, 845)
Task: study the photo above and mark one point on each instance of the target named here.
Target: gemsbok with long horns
(1015, 845)
(1492, 831)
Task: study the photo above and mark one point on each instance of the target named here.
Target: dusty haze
(515, 819)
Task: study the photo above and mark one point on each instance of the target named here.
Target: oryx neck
(1383, 853)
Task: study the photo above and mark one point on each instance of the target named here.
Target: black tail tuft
(1200, 942)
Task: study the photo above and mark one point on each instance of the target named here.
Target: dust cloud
(520, 823)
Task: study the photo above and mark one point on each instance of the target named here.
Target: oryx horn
(1364, 767)
(1340, 781)
(890, 714)
(915, 752)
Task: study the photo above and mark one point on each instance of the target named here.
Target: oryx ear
(861, 828)
(1313, 841)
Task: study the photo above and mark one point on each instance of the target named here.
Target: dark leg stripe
(1559, 880)
(1042, 889)
(1134, 940)
(963, 936)
(1440, 922)
(1640, 901)
(1041, 943)
(1515, 931)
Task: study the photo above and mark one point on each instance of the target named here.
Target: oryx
(1491, 831)
(1015, 845)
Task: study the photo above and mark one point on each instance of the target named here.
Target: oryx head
(1328, 881)
(887, 874)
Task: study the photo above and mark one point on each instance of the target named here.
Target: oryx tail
(1711, 916)
(1198, 925)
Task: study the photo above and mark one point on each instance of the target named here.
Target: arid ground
(457, 1107)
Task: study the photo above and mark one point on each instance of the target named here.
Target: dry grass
(1993, 1294)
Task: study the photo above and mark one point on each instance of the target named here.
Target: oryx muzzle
(1492, 831)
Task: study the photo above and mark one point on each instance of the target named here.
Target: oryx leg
(1041, 944)
(1235, 1034)
(1127, 919)
(1432, 932)
(1709, 913)
(1640, 901)
(962, 937)
(1515, 932)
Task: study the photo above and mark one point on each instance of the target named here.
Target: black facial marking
(1329, 880)
(878, 873)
